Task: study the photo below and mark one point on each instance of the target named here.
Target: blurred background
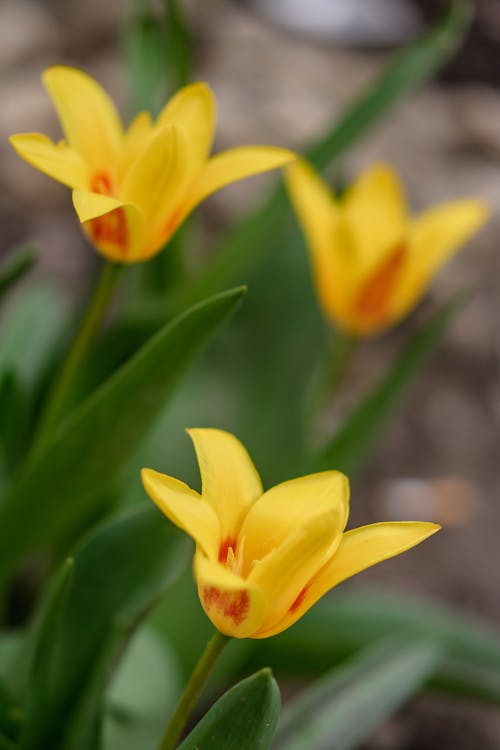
(281, 71)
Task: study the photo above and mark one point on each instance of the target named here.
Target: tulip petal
(157, 179)
(375, 208)
(137, 137)
(235, 164)
(185, 508)
(328, 237)
(230, 481)
(284, 573)
(275, 516)
(58, 161)
(88, 117)
(359, 549)
(235, 606)
(90, 205)
(435, 236)
(193, 109)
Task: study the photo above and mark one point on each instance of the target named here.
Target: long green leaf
(15, 266)
(244, 247)
(349, 703)
(351, 444)
(119, 573)
(335, 629)
(95, 442)
(244, 718)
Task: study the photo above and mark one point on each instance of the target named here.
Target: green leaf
(119, 573)
(349, 703)
(14, 419)
(244, 247)
(337, 628)
(86, 453)
(244, 718)
(362, 428)
(15, 266)
(143, 692)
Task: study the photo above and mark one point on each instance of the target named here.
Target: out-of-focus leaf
(349, 703)
(143, 692)
(86, 453)
(241, 251)
(119, 573)
(470, 663)
(14, 415)
(353, 442)
(10, 717)
(14, 267)
(6, 744)
(30, 330)
(244, 718)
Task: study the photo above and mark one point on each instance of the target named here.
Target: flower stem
(193, 689)
(89, 326)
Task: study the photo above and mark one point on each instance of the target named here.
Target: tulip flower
(371, 260)
(264, 558)
(133, 188)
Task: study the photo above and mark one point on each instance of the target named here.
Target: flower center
(373, 301)
(231, 555)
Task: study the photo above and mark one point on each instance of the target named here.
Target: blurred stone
(27, 29)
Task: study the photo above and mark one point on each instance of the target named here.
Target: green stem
(193, 689)
(89, 326)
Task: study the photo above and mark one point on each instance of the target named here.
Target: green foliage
(244, 718)
(119, 573)
(470, 651)
(361, 430)
(82, 458)
(15, 266)
(343, 708)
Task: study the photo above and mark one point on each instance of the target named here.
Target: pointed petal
(328, 237)
(230, 482)
(274, 517)
(194, 109)
(88, 117)
(58, 161)
(284, 573)
(91, 205)
(185, 508)
(235, 606)
(359, 549)
(235, 164)
(157, 179)
(137, 137)
(435, 236)
(375, 208)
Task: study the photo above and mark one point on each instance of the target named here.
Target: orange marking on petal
(111, 229)
(298, 601)
(233, 605)
(101, 183)
(224, 547)
(373, 300)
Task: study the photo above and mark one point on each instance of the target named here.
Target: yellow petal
(230, 482)
(58, 161)
(435, 236)
(328, 237)
(235, 606)
(88, 117)
(91, 205)
(375, 208)
(272, 520)
(284, 573)
(235, 164)
(359, 549)
(137, 137)
(185, 508)
(157, 179)
(193, 108)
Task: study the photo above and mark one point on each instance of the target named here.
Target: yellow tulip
(264, 558)
(371, 260)
(133, 188)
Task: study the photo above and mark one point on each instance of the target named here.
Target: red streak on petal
(224, 548)
(233, 605)
(374, 298)
(298, 601)
(112, 227)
